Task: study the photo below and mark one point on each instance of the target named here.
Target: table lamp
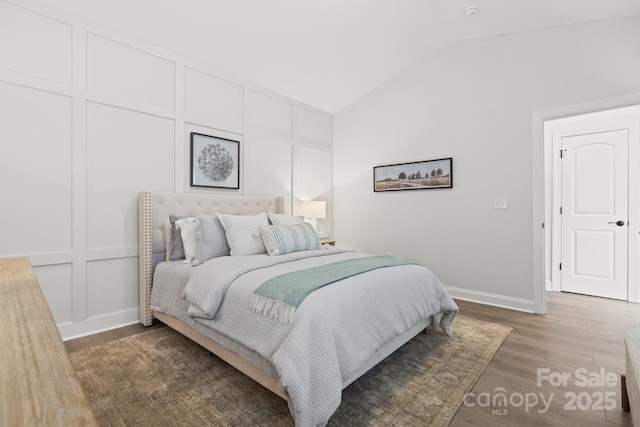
(311, 210)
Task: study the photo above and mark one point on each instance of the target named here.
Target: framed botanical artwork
(422, 175)
(215, 162)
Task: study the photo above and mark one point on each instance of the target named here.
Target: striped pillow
(284, 239)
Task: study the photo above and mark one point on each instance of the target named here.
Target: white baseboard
(496, 300)
(98, 324)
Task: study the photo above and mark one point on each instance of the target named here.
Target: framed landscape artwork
(424, 175)
(215, 162)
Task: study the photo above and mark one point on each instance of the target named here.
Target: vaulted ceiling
(327, 53)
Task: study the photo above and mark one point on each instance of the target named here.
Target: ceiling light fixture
(472, 10)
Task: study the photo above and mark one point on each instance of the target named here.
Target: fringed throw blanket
(279, 296)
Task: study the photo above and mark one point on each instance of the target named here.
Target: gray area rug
(160, 378)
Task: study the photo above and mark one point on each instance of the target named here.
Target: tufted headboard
(154, 208)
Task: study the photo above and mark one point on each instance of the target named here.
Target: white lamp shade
(311, 209)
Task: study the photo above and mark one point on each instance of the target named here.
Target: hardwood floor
(580, 336)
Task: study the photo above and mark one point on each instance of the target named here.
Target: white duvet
(334, 331)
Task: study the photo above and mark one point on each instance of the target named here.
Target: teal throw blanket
(279, 296)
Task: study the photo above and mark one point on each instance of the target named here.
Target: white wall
(89, 118)
(472, 101)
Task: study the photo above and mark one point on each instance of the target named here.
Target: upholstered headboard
(154, 208)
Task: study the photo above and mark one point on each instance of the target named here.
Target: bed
(306, 351)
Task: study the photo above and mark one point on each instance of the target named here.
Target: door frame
(542, 168)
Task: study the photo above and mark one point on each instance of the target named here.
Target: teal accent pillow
(284, 239)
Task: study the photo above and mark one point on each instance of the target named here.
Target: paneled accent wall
(88, 118)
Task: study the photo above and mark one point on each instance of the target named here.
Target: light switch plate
(500, 203)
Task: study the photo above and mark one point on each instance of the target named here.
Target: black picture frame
(411, 176)
(215, 161)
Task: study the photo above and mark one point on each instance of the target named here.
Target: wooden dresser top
(38, 385)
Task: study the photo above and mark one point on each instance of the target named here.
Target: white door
(595, 213)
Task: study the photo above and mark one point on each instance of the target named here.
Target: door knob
(618, 223)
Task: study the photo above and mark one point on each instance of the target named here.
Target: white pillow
(284, 239)
(189, 233)
(242, 233)
(279, 219)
